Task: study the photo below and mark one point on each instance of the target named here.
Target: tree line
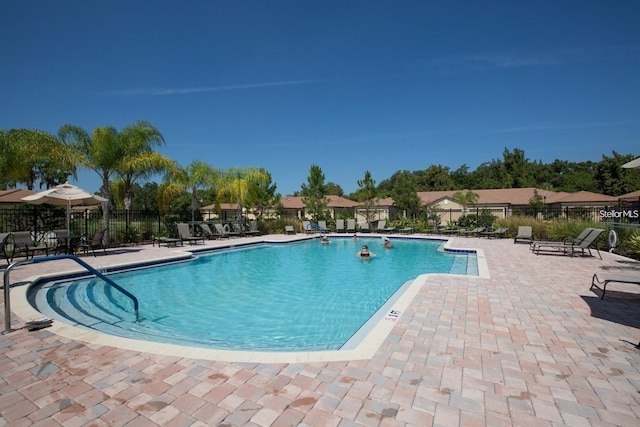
(126, 160)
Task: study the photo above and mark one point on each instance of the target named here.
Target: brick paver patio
(532, 345)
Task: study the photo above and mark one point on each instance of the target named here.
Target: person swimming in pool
(364, 252)
(325, 240)
(387, 243)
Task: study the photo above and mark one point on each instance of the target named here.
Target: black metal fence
(142, 225)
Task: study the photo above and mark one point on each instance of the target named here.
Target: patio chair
(63, 244)
(340, 226)
(23, 244)
(603, 279)
(582, 246)
(206, 232)
(288, 229)
(524, 234)
(550, 244)
(474, 232)
(225, 231)
(498, 232)
(322, 226)
(237, 228)
(364, 227)
(185, 234)
(351, 225)
(95, 242)
(382, 227)
(4, 240)
(252, 229)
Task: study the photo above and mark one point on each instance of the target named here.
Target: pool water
(270, 297)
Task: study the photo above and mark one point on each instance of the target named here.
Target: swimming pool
(269, 297)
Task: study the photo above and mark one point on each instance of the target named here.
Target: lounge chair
(498, 232)
(208, 233)
(167, 241)
(237, 228)
(253, 229)
(95, 242)
(573, 247)
(322, 226)
(364, 227)
(23, 243)
(186, 236)
(550, 244)
(306, 227)
(288, 229)
(382, 227)
(474, 232)
(225, 231)
(524, 234)
(603, 279)
(351, 225)
(340, 226)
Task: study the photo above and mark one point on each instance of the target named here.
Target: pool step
(98, 306)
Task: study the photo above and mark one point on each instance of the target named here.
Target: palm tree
(195, 176)
(367, 195)
(107, 151)
(140, 161)
(99, 151)
(29, 156)
(465, 198)
(241, 186)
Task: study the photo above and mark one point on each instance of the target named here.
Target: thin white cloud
(485, 61)
(492, 61)
(568, 126)
(204, 89)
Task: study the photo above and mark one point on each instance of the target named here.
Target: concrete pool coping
(373, 333)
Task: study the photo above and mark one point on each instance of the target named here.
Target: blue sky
(348, 85)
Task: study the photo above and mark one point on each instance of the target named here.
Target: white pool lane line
(373, 335)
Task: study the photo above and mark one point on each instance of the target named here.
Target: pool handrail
(7, 303)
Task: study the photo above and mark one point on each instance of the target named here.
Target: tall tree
(140, 160)
(241, 186)
(31, 156)
(100, 151)
(612, 179)
(404, 193)
(266, 196)
(196, 176)
(334, 189)
(314, 192)
(465, 198)
(367, 195)
(436, 178)
(517, 171)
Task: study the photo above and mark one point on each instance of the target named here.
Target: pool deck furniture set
(21, 243)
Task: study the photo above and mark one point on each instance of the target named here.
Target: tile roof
(14, 196)
(630, 195)
(295, 202)
(518, 196)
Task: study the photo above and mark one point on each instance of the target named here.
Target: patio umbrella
(64, 195)
(632, 164)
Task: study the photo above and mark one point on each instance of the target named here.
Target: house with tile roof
(12, 198)
(338, 206)
(505, 202)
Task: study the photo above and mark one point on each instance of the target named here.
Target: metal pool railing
(7, 302)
